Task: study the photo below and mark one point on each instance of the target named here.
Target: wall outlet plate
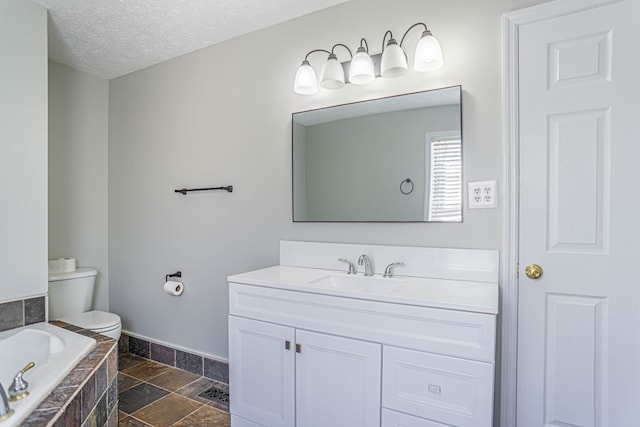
(482, 194)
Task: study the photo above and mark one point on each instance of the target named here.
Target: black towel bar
(184, 191)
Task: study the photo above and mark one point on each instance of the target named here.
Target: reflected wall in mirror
(395, 159)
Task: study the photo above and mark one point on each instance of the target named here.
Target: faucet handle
(352, 267)
(18, 389)
(388, 272)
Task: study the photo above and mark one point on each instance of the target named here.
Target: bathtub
(55, 352)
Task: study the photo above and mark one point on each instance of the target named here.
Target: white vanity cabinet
(286, 377)
(306, 359)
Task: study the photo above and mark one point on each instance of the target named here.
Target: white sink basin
(367, 284)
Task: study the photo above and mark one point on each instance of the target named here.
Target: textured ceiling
(111, 38)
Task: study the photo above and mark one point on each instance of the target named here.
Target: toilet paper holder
(176, 274)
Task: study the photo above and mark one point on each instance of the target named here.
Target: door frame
(511, 23)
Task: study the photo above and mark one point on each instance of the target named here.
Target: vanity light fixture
(362, 68)
(332, 76)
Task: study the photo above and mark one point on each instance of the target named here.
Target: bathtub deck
(88, 394)
(153, 394)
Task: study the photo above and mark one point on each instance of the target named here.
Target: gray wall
(78, 126)
(23, 138)
(201, 120)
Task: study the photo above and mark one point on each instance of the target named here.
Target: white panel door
(579, 323)
(337, 381)
(261, 372)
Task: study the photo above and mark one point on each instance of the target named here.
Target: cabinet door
(337, 381)
(261, 372)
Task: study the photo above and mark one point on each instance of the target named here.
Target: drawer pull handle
(434, 389)
(287, 345)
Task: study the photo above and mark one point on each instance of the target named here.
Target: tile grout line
(163, 397)
(141, 408)
(159, 386)
(189, 414)
(140, 421)
(128, 388)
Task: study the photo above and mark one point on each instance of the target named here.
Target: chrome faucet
(388, 272)
(364, 259)
(352, 268)
(5, 410)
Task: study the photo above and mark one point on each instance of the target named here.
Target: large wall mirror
(395, 159)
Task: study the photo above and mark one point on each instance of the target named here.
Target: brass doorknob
(533, 271)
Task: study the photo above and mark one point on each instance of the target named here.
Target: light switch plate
(482, 194)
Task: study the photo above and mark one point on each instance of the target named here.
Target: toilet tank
(71, 292)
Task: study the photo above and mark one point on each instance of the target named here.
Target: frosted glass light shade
(361, 71)
(428, 55)
(306, 82)
(394, 60)
(332, 76)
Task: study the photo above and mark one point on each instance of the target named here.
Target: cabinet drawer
(445, 389)
(398, 419)
(450, 332)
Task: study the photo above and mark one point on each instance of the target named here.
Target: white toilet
(70, 296)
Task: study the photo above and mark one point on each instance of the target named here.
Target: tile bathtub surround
(88, 395)
(210, 368)
(20, 313)
(34, 310)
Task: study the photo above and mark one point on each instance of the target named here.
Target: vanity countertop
(481, 297)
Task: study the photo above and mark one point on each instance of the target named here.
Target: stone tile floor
(153, 394)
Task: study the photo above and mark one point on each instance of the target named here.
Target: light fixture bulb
(428, 55)
(306, 82)
(361, 70)
(332, 76)
(394, 60)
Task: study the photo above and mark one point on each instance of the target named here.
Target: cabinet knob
(287, 345)
(298, 348)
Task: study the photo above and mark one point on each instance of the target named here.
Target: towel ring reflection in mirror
(406, 186)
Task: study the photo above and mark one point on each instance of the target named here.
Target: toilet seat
(96, 321)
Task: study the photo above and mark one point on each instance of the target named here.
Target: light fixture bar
(375, 59)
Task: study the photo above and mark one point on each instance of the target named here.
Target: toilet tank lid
(77, 274)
